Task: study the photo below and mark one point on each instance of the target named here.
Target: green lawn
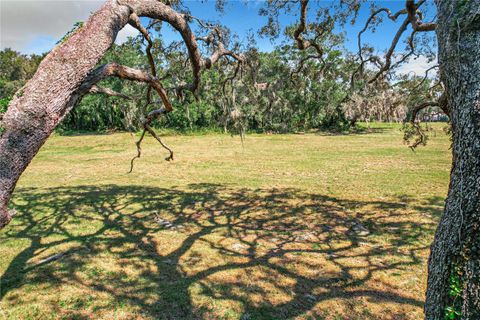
(269, 230)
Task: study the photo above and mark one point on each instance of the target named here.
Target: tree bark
(456, 247)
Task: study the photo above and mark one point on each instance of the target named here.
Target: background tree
(455, 252)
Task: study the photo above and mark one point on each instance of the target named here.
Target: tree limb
(414, 18)
(108, 92)
(391, 50)
(391, 16)
(302, 43)
(124, 72)
(420, 107)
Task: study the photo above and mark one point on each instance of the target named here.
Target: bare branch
(425, 77)
(152, 132)
(108, 92)
(391, 16)
(216, 40)
(139, 150)
(124, 72)
(388, 55)
(420, 107)
(134, 21)
(413, 18)
(411, 44)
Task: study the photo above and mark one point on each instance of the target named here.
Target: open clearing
(274, 230)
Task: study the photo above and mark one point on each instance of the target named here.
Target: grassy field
(286, 227)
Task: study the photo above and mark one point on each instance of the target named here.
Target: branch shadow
(183, 253)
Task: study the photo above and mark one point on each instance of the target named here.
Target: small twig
(139, 150)
(150, 130)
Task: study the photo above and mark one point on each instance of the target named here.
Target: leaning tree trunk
(61, 81)
(456, 247)
(41, 104)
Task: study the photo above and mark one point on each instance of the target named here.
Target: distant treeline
(272, 92)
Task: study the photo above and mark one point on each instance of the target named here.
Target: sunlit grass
(260, 231)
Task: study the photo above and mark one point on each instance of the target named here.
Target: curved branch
(134, 21)
(303, 44)
(420, 107)
(108, 92)
(139, 150)
(413, 17)
(391, 16)
(388, 56)
(159, 11)
(411, 44)
(124, 72)
(156, 10)
(426, 75)
(152, 132)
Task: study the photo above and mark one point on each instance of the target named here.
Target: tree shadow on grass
(189, 253)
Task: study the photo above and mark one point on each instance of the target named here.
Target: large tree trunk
(456, 247)
(41, 104)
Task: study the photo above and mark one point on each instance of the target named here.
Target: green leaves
(453, 311)
(76, 26)
(4, 104)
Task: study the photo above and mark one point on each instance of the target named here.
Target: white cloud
(34, 26)
(417, 67)
(125, 33)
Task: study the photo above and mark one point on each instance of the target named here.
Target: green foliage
(15, 70)
(453, 310)
(298, 97)
(3, 108)
(4, 104)
(76, 26)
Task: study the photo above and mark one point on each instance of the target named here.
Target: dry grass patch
(270, 231)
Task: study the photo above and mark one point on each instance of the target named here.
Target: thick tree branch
(302, 43)
(420, 107)
(124, 72)
(411, 9)
(134, 21)
(128, 73)
(411, 44)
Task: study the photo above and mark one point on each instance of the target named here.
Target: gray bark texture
(456, 247)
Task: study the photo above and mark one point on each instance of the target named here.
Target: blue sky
(34, 26)
(241, 17)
